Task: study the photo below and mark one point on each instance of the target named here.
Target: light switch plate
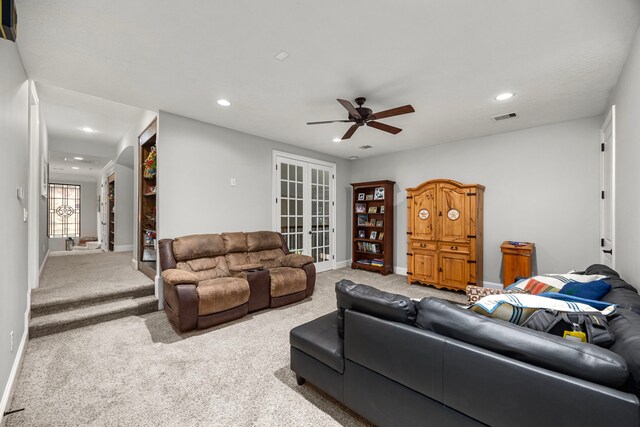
(233, 182)
(25, 214)
(20, 193)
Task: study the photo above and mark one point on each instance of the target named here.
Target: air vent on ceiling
(365, 147)
(505, 116)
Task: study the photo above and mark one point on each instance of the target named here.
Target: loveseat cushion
(197, 246)
(626, 326)
(206, 268)
(286, 281)
(175, 276)
(261, 240)
(319, 339)
(235, 242)
(372, 301)
(216, 295)
(577, 359)
(269, 258)
(295, 260)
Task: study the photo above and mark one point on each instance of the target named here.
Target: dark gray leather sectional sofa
(401, 363)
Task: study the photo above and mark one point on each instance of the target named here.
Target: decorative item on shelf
(369, 197)
(363, 220)
(361, 208)
(151, 189)
(150, 164)
(381, 209)
(379, 193)
(373, 235)
(381, 236)
(380, 223)
(362, 234)
(360, 196)
(373, 210)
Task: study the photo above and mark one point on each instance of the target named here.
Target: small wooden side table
(516, 260)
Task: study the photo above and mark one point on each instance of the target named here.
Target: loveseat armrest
(175, 276)
(246, 267)
(296, 260)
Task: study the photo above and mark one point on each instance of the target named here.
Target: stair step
(43, 304)
(85, 316)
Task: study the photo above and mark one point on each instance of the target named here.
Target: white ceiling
(447, 58)
(64, 163)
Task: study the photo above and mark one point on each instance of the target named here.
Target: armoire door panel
(425, 266)
(422, 214)
(454, 269)
(453, 213)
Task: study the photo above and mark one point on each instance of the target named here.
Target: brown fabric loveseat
(210, 279)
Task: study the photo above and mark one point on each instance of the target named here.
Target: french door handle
(610, 251)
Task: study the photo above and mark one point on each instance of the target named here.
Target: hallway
(83, 289)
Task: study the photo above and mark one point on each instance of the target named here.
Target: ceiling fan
(361, 116)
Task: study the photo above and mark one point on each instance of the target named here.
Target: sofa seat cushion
(216, 295)
(577, 359)
(320, 340)
(269, 258)
(206, 268)
(286, 281)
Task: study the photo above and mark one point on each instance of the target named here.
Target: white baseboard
(134, 264)
(159, 292)
(343, 264)
(44, 262)
(123, 248)
(400, 270)
(7, 396)
(492, 285)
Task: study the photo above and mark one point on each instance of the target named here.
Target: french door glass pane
(320, 242)
(291, 211)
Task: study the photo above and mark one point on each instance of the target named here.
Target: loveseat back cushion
(206, 268)
(218, 295)
(577, 359)
(626, 326)
(372, 301)
(237, 258)
(197, 246)
(235, 242)
(261, 240)
(269, 258)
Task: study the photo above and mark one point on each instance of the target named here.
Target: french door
(304, 210)
(607, 185)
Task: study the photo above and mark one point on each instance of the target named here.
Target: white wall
(626, 98)
(195, 163)
(43, 245)
(14, 141)
(124, 207)
(88, 207)
(541, 186)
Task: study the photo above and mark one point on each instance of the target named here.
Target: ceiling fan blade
(350, 108)
(350, 132)
(386, 128)
(393, 112)
(329, 121)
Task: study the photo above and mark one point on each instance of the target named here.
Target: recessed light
(281, 56)
(78, 158)
(336, 139)
(75, 167)
(353, 157)
(224, 102)
(87, 129)
(504, 96)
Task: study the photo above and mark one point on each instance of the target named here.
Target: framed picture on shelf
(381, 209)
(360, 196)
(362, 234)
(361, 208)
(373, 210)
(369, 197)
(378, 193)
(381, 236)
(363, 220)
(379, 223)
(373, 235)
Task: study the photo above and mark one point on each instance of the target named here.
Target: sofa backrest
(262, 247)
(202, 254)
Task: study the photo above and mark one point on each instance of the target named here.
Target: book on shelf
(377, 262)
(373, 248)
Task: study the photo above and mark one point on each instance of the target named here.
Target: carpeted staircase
(53, 316)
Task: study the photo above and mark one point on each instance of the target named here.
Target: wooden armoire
(445, 233)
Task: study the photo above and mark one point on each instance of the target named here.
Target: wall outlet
(11, 345)
(233, 182)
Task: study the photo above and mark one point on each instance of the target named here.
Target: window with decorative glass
(64, 210)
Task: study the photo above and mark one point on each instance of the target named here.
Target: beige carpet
(138, 371)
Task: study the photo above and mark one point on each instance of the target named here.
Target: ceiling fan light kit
(361, 116)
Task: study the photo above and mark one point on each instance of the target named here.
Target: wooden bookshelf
(112, 210)
(147, 199)
(373, 218)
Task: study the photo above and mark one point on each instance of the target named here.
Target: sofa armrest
(296, 260)
(175, 276)
(245, 267)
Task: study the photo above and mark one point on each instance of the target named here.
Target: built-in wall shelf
(148, 175)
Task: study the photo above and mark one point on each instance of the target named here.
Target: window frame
(51, 217)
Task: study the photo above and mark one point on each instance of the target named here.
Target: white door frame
(275, 218)
(610, 120)
(34, 190)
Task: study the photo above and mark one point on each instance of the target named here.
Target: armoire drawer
(454, 247)
(430, 246)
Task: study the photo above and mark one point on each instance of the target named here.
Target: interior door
(453, 212)
(607, 196)
(304, 206)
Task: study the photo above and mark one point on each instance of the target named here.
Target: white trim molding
(402, 271)
(123, 248)
(44, 262)
(343, 264)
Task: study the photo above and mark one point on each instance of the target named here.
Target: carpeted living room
(285, 213)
